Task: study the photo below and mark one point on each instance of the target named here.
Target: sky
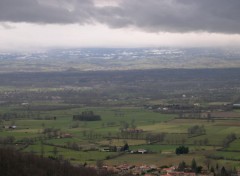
(33, 24)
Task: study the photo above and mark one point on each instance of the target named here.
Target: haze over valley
(93, 59)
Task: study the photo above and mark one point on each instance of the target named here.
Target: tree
(84, 133)
(133, 123)
(209, 116)
(233, 171)
(55, 151)
(87, 116)
(182, 150)
(196, 130)
(207, 162)
(199, 169)
(125, 125)
(113, 148)
(212, 170)
(205, 141)
(10, 139)
(181, 166)
(109, 134)
(223, 171)
(228, 139)
(194, 165)
(42, 149)
(125, 147)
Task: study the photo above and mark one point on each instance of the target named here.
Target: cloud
(46, 11)
(6, 26)
(213, 16)
(219, 16)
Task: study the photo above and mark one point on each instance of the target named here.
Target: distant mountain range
(118, 59)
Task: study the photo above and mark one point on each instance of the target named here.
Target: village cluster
(153, 170)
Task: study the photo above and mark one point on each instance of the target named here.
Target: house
(25, 104)
(165, 109)
(196, 104)
(169, 170)
(236, 106)
(105, 149)
(139, 151)
(142, 151)
(12, 127)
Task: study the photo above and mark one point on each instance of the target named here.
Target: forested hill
(13, 163)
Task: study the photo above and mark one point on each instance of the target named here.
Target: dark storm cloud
(222, 16)
(178, 15)
(46, 11)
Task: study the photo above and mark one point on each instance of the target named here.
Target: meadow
(88, 138)
(39, 109)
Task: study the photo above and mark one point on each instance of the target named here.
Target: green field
(225, 155)
(75, 156)
(89, 137)
(234, 146)
(165, 149)
(154, 159)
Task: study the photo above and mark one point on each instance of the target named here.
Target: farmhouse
(12, 127)
(236, 106)
(139, 151)
(142, 151)
(25, 104)
(105, 149)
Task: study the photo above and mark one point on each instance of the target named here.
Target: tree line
(87, 116)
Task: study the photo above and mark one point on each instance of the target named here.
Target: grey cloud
(221, 16)
(44, 11)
